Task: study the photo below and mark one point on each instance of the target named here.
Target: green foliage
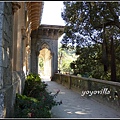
(36, 101)
(28, 107)
(88, 64)
(65, 57)
(41, 64)
(32, 82)
(93, 23)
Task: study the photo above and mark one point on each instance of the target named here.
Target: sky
(52, 13)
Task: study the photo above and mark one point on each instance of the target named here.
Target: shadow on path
(76, 106)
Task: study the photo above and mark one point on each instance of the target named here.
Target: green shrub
(36, 102)
(47, 99)
(27, 107)
(33, 84)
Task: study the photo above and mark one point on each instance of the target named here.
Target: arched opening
(44, 63)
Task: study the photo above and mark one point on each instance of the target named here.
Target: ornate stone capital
(16, 6)
(51, 31)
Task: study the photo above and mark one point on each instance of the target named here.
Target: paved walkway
(75, 106)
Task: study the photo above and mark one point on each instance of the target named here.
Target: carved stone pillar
(24, 39)
(20, 38)
(16, 6)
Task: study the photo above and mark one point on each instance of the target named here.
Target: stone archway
(46, 36)
(44, 61)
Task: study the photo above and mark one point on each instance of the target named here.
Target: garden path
(76, 106)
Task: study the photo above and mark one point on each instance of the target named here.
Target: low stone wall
(8, 94)
(107, 92)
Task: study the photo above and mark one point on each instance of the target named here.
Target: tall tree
(86, 23)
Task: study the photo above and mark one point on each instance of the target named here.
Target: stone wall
(106, 92)
(6, 18)
(15, 45)
(10, 82)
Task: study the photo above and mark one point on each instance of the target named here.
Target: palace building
(23, 41)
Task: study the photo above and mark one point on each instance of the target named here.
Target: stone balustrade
(107, 92)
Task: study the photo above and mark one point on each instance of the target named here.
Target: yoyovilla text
(90, 93)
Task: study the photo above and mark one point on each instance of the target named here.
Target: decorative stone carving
(45, 46)
(34, 13)
(16, 6)
(51, 31)
(23, 32)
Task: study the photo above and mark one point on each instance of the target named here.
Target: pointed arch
(44, 45)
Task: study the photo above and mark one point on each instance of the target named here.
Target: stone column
(15, 41)
(29, 61)
(55, 57)
(52, 64)
(34, 54)
(15, 6)
(24, 38)
(21, 22)
(28, 49)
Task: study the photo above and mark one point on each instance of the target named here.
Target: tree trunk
(104, 52)
(113, 65)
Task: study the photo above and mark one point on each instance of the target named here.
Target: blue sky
(52, 13)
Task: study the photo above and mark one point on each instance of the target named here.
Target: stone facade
(19, 48)
(14, 37)
(46, 36)
(6, 32)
